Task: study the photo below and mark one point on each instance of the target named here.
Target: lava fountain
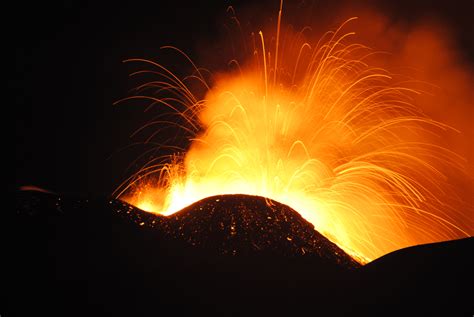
(314, 125)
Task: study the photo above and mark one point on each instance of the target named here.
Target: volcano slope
(224, 255)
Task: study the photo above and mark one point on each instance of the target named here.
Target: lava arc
(318, 126)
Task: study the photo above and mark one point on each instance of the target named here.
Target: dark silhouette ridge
(243, 225)
(97, 257)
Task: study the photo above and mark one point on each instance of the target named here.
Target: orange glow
(318, 126)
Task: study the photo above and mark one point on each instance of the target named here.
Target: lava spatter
(322, 126)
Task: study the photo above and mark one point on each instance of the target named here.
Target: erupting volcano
(317, 125)
(321, 162)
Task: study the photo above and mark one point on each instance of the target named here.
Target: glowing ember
(311, 125)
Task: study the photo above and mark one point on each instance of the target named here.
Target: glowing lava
(315, 126)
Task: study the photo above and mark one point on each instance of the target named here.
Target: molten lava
(316, 126)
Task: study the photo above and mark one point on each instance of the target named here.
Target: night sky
(67, 72)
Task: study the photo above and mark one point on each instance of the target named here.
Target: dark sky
(67, 71)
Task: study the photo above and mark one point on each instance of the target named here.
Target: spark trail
(315, 126)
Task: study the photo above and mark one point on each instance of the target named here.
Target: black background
(67, 71)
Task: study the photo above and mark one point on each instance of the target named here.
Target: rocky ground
(225, 255)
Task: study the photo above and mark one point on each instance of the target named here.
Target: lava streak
(316, 126)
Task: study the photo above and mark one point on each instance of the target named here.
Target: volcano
(243, 225)
(223, 255)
